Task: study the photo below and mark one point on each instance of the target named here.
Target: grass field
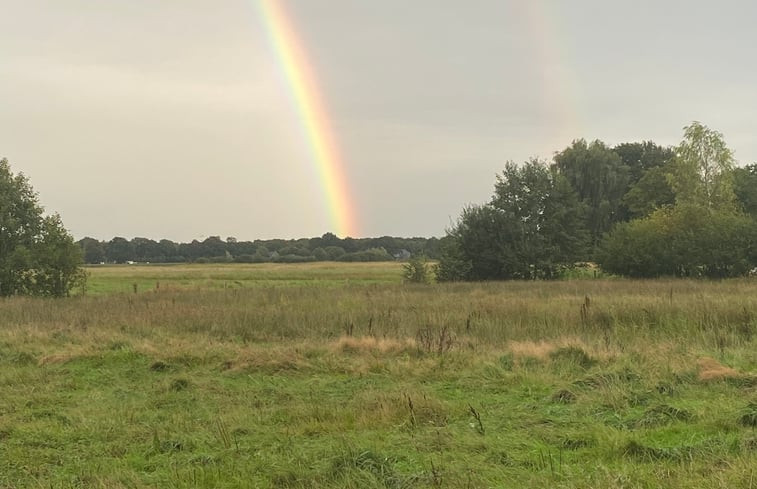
(309, 376)
(107, 279)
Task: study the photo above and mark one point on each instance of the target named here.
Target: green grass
(107, 279)
(645, 384)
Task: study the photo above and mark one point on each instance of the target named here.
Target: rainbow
(314, 118)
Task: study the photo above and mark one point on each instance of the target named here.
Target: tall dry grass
(602, 315)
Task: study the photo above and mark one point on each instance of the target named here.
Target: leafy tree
(170, 251)
(704, 234)
(320, 254)
(642, 157)
(745, 188)
(213, 246)
(295, 250)
(146, 250)
(334, 252)
(94, 250)
(651, 192)
(480, 235)
(57, 265)
(648, 187)
(600, 178)
(453, 265)
(37, 255)
(120, 250)
(544, 214)
(532, 227)
(703, 168)
(328, 239)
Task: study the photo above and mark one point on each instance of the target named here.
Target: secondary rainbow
(314, 118)
(554, 65)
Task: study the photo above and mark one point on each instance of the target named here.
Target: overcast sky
(171, 119)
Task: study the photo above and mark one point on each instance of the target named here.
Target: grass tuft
(749, 415)
(574, 355)
(179, 385)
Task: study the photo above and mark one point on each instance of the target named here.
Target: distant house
(402, 255)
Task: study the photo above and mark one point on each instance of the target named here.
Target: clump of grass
(638, 451)
(661, 415)
(380, 467)
(159, 366)
(749, 415)
(574, 355)
(271, 359)
(507, 361)
(577, 443)
(21, 358)
(665, 388)
(606, 379)
(119, 345)
(435, 340)
(179, 384)
(563, 396)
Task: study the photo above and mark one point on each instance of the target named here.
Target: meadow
(341, 375)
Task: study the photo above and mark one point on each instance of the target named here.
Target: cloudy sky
(173, 119)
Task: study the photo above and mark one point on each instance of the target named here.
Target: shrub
(417, 270)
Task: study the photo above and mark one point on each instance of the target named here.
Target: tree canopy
(533, 225)
(37, 254)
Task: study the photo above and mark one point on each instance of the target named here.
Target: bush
(417, 270)
(685, 241)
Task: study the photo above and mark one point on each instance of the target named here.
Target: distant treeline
(213, 249)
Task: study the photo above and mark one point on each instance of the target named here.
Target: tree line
(214, 249)
(636, 209)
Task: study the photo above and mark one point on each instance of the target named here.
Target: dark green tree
(93, 250)
(600, 178)
(642, 157)
(648, 187)
(119, 250)
(651, 192)
(532, 228)
(37, 254)
(745, 188)
(453, 265)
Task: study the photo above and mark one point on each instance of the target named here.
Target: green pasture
(106, 279)
(371, 383)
